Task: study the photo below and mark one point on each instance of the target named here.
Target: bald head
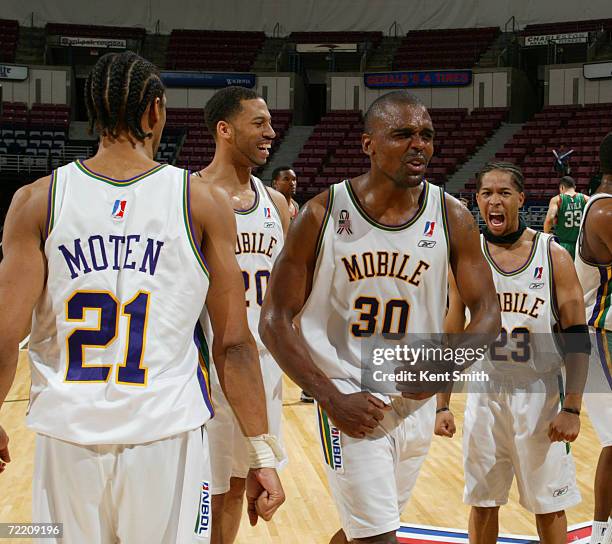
(384, 105)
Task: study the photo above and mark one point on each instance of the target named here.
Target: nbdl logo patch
(202, 527)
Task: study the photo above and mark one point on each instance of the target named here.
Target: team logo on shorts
(202, 526)
(344, 223)
(537, 273)
(118, 212)
(429, 228)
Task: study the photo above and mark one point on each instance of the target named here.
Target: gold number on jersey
(395, 318)
(130, 371)
(523, 352)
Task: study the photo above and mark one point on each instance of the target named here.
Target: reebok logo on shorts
(202, 527)
(560, 492)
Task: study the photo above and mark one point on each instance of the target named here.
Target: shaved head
(381, 107)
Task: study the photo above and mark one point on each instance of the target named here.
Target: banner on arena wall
(16, 73)
(207, 79)
(68, 41)
(435, 78)
(597, 70)
(570, 37)
(326, 47)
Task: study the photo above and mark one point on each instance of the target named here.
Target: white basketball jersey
(260, 240)
(596, 280)
(112, 348)
(528, 313)
(372, 279)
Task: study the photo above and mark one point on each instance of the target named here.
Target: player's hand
(564, 428)
(445, 424)
(356, 414)
(4, 452)
(264, 493)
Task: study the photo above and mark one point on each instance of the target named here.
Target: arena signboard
(113, 43)
(211, 80)
(570, 37)
(16, 73)
(435, 78)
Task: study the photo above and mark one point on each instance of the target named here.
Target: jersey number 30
(130, 371)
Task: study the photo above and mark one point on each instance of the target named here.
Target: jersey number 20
(130, 371)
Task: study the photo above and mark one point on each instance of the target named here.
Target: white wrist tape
(264, 451)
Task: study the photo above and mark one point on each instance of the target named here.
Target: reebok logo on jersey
(536, 285)
(429, 228)
(118, 212)
(344, 223)
(269, 225)
(561, 491)
(267, 213)
(427, 243)
(537, 273)
(202, 527)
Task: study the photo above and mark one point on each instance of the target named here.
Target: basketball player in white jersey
(371, 255)
(516, 420)
(240, 122)
(106, 254)
(594, 267)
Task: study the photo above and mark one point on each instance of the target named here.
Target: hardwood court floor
(309, 515)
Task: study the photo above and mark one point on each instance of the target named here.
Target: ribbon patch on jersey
(118, 212)
(344, 223)
(202, 526)
(429, 228)
(537, 273)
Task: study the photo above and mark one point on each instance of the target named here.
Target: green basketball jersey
(569, 217)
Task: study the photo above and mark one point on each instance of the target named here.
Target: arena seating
(9, 34)
(333, 151)
(446, 48)
(199, 146)
(94, 31)
(580, 128)
(213, 50)
(40, 132)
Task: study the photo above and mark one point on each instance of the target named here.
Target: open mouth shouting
(496, 221)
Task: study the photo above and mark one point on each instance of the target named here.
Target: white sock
(607, 537)
(599, 532)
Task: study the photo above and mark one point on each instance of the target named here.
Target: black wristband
(576, 339)
(444, 409)
(571, 411)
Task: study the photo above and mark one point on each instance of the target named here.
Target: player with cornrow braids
(107, 259)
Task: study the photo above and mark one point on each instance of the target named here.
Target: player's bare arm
(283, 208)
(597, 240)
(234, 350)
(472, 274)
(22, 279)
(454, 322)
(551, 214)
(290, 285)
(570, 304)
